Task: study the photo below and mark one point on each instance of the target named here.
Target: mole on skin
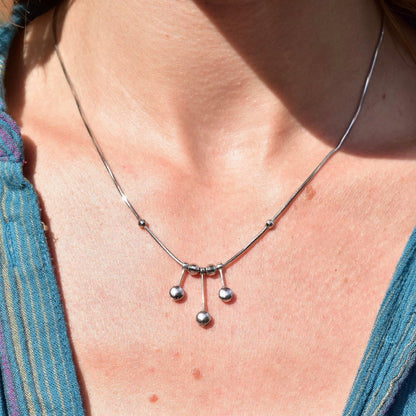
(196, 372)
(309, 192)
(153, 398)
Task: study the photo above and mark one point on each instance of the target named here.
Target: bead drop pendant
(177, 292)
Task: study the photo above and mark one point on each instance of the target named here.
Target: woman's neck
(213, 77)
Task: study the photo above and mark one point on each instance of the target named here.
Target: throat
(210, 69)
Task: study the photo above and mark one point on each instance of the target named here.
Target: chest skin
(306, 295)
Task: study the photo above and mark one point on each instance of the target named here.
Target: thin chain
(269, 223)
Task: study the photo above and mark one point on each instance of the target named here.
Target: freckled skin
(153, 398)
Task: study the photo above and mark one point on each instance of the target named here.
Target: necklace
(225, 293)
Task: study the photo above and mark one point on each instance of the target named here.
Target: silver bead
(269, 223)
(225, 294)
(202, 270)
(211, 270)
(142, 223)
(193, 269)
(177, 292)
(203, 318)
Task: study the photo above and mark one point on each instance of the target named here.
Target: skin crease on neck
(213, 113)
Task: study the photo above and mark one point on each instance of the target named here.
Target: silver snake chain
(225, 293)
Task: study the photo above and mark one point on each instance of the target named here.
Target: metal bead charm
(269, 223)
(225, 294)
(142, 223)
(203, 318)
(211, 270)
(177, 292)
(193, 269)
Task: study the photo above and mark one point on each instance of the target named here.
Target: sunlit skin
(211, 114)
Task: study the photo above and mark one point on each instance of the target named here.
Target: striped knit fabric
(37, 369)
(388, 366)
